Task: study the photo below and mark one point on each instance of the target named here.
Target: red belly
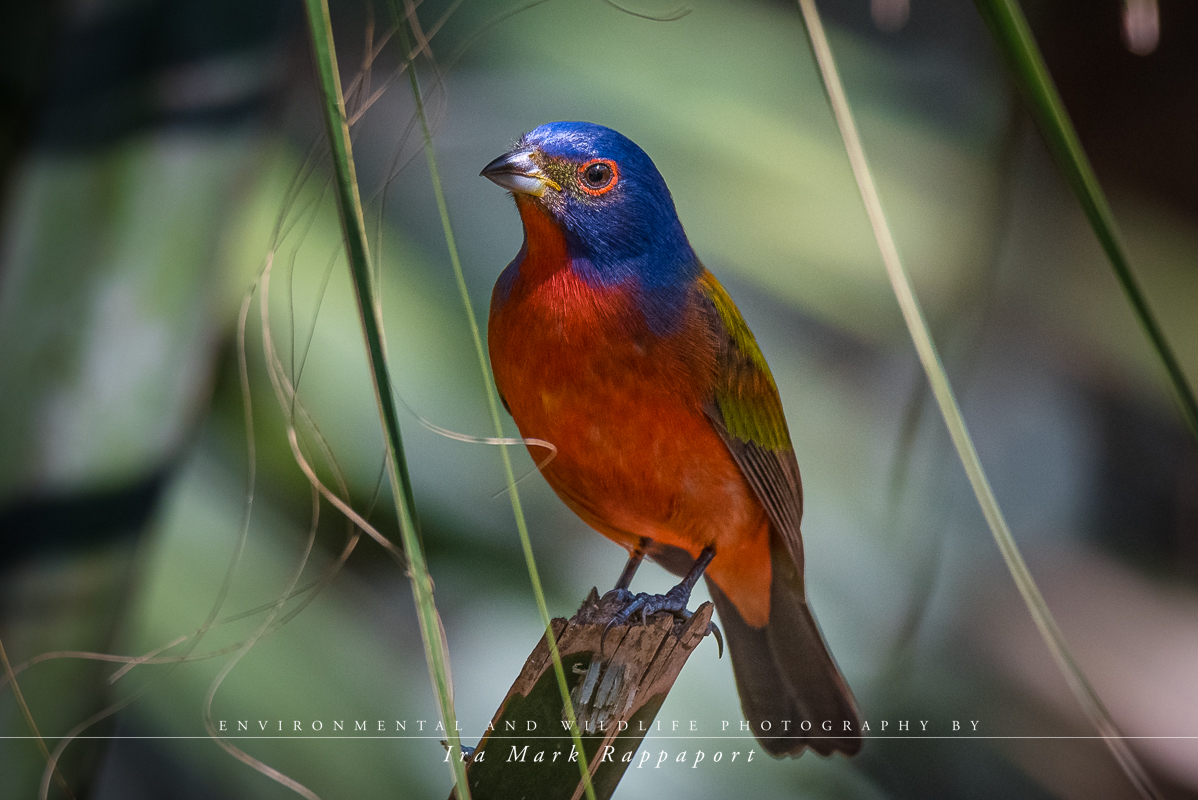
(637, 456)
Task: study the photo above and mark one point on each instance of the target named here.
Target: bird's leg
(635, 557)
(634, 561)
(674, 601)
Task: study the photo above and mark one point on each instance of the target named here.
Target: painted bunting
(611, 340)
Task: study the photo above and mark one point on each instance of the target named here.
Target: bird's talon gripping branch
(673, 602)
(618, 595)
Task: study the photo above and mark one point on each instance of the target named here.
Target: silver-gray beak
(519, 174)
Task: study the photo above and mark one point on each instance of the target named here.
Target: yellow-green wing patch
(745, 392)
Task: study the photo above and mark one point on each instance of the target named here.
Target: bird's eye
(598, 176)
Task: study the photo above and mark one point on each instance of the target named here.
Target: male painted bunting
(611, 340)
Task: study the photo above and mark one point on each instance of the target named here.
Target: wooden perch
(527, 752)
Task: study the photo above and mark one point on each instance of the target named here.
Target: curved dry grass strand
(226, 582)
(669, 16)
(286, 395)
(10, 678)
(230, 748)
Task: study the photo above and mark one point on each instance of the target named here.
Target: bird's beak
(519, 174)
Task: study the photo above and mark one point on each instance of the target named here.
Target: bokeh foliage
(1072, 419)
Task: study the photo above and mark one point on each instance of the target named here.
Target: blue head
(608, 200)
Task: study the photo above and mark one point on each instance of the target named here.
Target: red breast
(578, 365)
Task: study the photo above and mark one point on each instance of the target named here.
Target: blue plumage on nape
(621, 226)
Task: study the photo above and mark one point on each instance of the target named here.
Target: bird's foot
(645, 605)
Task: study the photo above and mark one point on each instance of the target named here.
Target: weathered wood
(528, 753)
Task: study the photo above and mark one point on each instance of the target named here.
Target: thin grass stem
(353, 227)
(942, 390)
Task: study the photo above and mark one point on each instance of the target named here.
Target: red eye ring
(598, 176)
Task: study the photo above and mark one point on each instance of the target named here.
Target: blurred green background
(153, 153)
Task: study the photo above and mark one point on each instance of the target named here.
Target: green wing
(747, 412)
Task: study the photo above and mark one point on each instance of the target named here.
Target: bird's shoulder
(744, 389)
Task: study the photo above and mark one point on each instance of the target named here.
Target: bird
(610, 339)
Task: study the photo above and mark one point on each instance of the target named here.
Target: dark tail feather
(785, 675)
